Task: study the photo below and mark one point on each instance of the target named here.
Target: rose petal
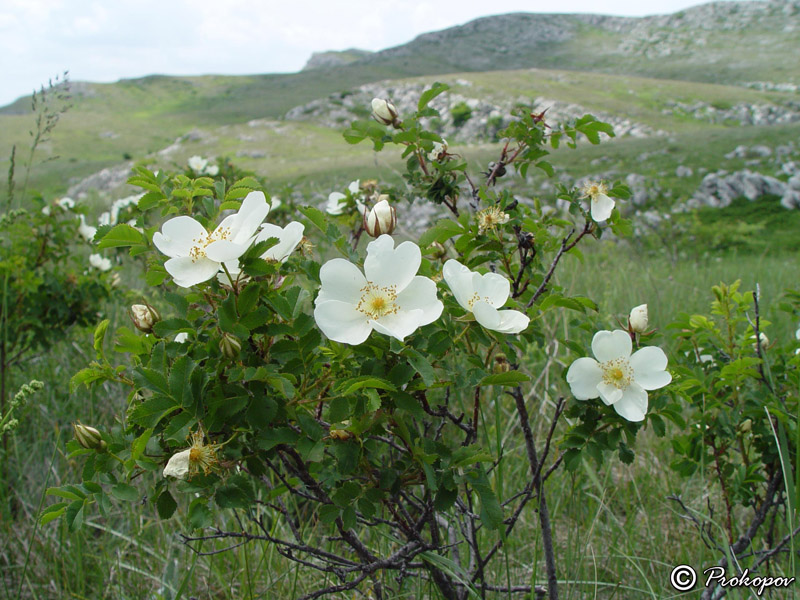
(188, 272)
(341, 280)
(633, 404)
(583, 377)
(388, 266)
(178, 236)
(610, 394)
(341, 322)
(494, 287)
(400, 324)
(608, 345)
(420, 294)
(602, 206)
(649, 366)
(459, 279)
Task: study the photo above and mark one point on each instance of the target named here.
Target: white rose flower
(337, 202)
(601, 204)
(289, 238)
(197, 163)
(638, 318)
(66, 203)
(87, 231)
(388, 297)
(212, 170)
(181, 337)
(46, 211)
(483, 295)
(620, 379)
(197, 457)
(196, 255)
(98, 262)
(354, 187)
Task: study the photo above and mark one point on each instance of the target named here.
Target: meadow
(619, 528)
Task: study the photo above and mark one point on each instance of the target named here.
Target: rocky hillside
(724, 42)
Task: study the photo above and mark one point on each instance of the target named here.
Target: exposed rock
(486, 118)
(334, 58)
(106, 180)
(721, 188)
(683, 171)
(741, 113)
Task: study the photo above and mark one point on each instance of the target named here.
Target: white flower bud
(144, 317)
(638, 318)
(88, 437)
(381, 219)
(383, 111)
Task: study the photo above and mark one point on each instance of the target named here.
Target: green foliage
(461, 113)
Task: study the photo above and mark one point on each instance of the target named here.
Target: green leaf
(442, 231)
(99, 336)
(54, 511)
(431, 93)
(126, 492)
(166, 505)
(199, 514)
(365, 382)
(121, 235)
(179, 380)
(315, 216)
(237, 492)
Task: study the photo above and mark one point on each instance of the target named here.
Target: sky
(104, 41)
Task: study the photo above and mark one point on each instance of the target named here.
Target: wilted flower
(490, 218)
(196, 255)
(617, 377)
(197, 163)
(637, 321)
(483, 295)
(601, 204)
(384, 111)
(144, 317)
(381, 219)
(87, 231)
(439, 151)
(198, 457)
(88, 437)
(98, 262)
(391, 299)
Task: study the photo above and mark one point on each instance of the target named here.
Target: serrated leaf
(121, 235)
(166, 505)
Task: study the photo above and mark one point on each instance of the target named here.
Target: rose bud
(230, 346)
(381, 219)
(637, 320)
(88, 437)
(384, 111)
(144, 317)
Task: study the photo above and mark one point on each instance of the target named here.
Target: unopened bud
(88, 437)
(501, 364)
(437, 251)
(638, 319)
(381, 219)
(144, 317)
(230, 346)
(384, 111)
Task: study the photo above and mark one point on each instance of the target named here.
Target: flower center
(198, 249)
(476, 298)
(617, 372)
(377, 301)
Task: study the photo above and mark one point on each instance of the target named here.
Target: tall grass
(617, 534)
